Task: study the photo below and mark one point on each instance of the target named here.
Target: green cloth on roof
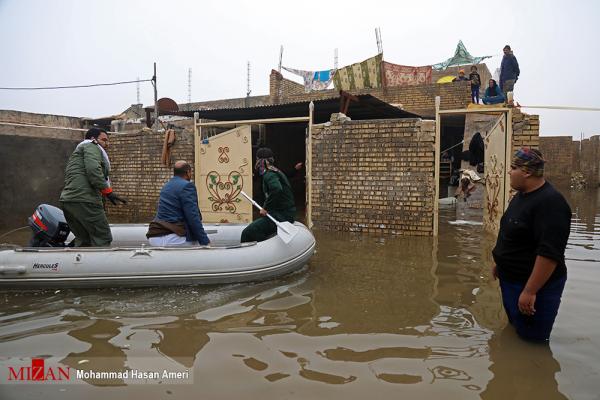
(461, 57)
(365, 74)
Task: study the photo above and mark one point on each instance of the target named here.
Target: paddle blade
(286, 231)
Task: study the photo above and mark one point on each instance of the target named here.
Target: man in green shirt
(86, 181)
(279, 199)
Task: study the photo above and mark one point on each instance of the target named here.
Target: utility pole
(248, 91)
(155, 99)
(335, 58)
(378, 39)
(189, 86)
(137, 89)
(280, 58)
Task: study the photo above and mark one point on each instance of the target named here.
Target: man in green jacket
(279, 199)
(86, 181)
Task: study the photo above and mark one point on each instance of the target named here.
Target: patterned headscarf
(529, 160)
(264, 161)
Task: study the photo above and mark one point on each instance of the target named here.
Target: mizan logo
(38, 372)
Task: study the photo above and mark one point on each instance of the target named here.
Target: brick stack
(526, 130)
(374, 176)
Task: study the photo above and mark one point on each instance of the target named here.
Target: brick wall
(374, 176)
(565, 156)
(137, 173)
(526, 130)
(557, 150)
(589, 160)
(574, 156)
(280, 87)
(419, 99)
(20, 117)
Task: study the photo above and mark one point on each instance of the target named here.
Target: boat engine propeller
(49, 227)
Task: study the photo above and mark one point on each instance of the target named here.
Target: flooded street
(368, 317)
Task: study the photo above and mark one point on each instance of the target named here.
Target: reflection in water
(102, 356)
(521, 370)
(180, 340)
(415, 317)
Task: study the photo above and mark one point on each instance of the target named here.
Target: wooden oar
(285, 230)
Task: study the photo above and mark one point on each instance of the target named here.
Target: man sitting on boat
(178, 220)
(279, 199)
(86, 182)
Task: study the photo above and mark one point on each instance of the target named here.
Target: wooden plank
(436, 174)
(475, 110)
(254, 121)
(309, 222)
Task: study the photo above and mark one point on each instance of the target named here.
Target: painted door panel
(495, 175)
(224, 170)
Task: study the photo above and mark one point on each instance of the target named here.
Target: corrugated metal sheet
(368, 107)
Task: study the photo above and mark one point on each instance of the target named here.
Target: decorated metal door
(496, 184)
(225, 169)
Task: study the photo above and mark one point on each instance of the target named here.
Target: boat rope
(462, 141)
(14, 230)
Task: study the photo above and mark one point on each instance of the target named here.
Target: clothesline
(462, 141)
(562, 108)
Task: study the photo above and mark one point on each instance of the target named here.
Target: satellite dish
(168, 105)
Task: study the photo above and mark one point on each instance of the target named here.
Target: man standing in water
(530, 251)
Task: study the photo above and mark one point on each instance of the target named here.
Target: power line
(75, 86)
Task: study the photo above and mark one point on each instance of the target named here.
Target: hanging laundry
(365, 74)
(402, 75)
(314, 80)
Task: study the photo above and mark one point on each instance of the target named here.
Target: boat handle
(141, 252)
(13, 270)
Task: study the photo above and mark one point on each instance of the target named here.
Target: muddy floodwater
(369, 317)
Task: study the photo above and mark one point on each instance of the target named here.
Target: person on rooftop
(509, 71)
(493, 94)
(461, 76)
(475, 84)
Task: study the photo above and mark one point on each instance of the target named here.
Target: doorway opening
(288, 143)
(474, 144)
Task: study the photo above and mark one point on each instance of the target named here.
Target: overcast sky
(56, 43)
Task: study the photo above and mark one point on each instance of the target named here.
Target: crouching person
(279, 199)
(178, 220)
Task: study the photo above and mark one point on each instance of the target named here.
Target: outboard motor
(49, 227)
